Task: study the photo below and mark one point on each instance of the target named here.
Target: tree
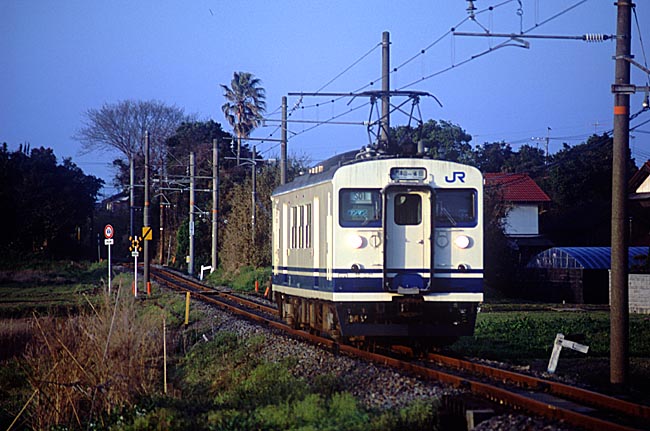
(442, 140)
(499, 157)
(245, 104)
(121, 126)
(578, 180)
(238, 249)
(47, 207)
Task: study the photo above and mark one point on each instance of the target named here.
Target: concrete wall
(639, 291)
(522, 219)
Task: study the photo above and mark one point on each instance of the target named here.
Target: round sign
(108, 231)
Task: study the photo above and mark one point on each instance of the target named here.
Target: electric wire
(348, 68)
(490, 49)
(394, 70)
(423, 52)
(557, 15)
(295, 107)
(638, 30)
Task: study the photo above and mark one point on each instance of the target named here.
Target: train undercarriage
(407, 320)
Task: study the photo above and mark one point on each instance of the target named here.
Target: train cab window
(408, 209)
(455, 208)
(360, 208)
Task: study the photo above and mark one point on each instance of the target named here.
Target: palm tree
(244, 105)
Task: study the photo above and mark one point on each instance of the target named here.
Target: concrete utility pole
(132, 195)
(190, 264)
(161, 230)
(146, 211)
(254, 192)
(619, 307)
(385, 89)
(215, 202)
(283, 144)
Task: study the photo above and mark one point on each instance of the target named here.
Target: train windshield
(455, 208)
(360, 208)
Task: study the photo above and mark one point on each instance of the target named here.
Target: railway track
(553, 400)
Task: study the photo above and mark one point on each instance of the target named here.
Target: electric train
(384, 249)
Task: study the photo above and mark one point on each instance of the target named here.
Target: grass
(225, 383)
(243, 280)
(521, 335)
(91, 373)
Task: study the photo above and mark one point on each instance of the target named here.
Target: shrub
(242, 280)
(85, 366)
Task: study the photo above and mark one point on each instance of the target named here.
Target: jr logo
(456, 176)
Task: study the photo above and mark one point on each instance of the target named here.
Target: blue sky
(60, 58)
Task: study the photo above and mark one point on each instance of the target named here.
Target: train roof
(325, 170)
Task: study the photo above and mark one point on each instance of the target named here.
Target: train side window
(407, 209)
(360, 208)
(456, 208)
(301, 227)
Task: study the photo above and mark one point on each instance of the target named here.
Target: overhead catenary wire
(394, 70)
(422, 52)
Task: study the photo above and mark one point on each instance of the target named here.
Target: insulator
(595, 37)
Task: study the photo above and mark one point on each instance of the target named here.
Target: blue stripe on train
(366, 284)
(378, 271)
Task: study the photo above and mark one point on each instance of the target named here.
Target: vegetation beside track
(521, 335)
(224, 383)
(242, 280)
(525, 339)
(87, 369)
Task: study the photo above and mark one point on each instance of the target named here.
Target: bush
(85, 366)
(242, 280)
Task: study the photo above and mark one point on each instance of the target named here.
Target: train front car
(381, 250)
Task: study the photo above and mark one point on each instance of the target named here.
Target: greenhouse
(582, 257)
(575, 274)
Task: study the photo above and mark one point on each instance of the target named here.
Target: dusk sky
(61, 58)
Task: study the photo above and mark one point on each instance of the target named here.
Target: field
(59, 318)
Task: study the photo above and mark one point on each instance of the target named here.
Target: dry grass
(85, 366)
(14, 335)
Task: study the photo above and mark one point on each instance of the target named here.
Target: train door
(408, 239)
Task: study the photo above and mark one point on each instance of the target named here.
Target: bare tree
(121, 126)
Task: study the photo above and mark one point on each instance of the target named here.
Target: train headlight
(462, 241)
(355, 241)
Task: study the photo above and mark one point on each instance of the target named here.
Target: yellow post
(187, 308)
(164, 356)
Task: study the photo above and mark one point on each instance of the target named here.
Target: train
(381, 250)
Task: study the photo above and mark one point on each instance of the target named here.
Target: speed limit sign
(108, 231)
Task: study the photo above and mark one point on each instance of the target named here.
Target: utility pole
(132, 194)
(283, 144)
(619, 307)
(190, 264)
(215, 202)
(146, 211)
(385, 89)
(254, 193)
(161, 236)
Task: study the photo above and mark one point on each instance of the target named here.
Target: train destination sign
(417, 174)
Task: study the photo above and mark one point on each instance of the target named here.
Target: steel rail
(591, 398)
(519, 399)
(207, 291)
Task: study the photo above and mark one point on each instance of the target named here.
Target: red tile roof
(516, 187)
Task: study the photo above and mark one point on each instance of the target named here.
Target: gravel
(375, 387)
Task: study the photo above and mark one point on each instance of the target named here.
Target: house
(525, 200)
(117, 203)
